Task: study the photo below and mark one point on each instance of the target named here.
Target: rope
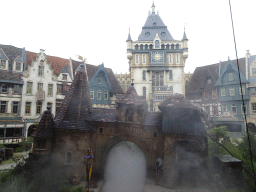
(242, 96)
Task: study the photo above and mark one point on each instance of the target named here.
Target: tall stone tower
(157, 61)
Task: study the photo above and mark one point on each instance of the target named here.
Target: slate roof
(46, 126)
(153, 118)
(57, 63)
(76, 106)
(176, 101)
(12, 53)
(153, 25)
(131, 97)
(102, 114)
(196, 83)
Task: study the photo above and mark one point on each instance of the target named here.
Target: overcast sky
(98, 29)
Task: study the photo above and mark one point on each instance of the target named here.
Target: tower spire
(129, 36)
(184, 35)
(153, 7)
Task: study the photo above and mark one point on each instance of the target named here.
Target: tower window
(144, 91)
(155, 134)
(69, 156)
(100, 130)
(144, 75)
(170, 75)
(129, 115)
(147, 33)
(157, 44)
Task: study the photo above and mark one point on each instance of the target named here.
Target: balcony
(40, 95)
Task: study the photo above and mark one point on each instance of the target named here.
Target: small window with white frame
(178, 58)
(232, 91)
(99, 80)
(106, 95)
(170, 58)
(92, 93)
(253, 91)
(3, 107)
(243, 90)
(40, 70)
(3, 64)
(99, 94)
(224, 108)
(144, 59)
(233, 109)
(222, 92)
(50, 89)
(18, 66)
(230, 77)
(4, 88)
(136, 59)
(253, 108)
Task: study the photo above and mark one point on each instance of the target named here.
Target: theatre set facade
(157, 61)
(78, 127)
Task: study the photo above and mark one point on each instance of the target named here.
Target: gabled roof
(196, 83)
(101, 68)
(154, 25)
(76, 105)
(46, 125)
(64, 70)
(230, 66)
(57, 63)
(10, 53)
(18, 59)
(131, 97)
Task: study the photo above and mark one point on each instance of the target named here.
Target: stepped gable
(77, 104)
(176, 101)
(57, 63)
(46, 125)
(131, 97)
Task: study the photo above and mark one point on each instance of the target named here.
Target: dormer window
(209, 81)
(147, 33)
(4, 88)
(3, 64)
(99, 80)
(18, 66)
(64, 77)
(230, 76)
(154, 24)
(157, 44)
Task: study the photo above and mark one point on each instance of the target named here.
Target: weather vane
(81, 58)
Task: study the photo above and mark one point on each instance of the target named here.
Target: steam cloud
(126, 169)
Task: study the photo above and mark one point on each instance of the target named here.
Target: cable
(242, 97)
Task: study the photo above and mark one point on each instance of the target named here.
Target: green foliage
(24, 145)
(2, 146)
(244, 146)
(218, 132)
(78, 189)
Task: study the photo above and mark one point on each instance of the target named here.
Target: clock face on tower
(157, 56)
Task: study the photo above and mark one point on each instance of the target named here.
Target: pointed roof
(230, 66)
(46, 125)
(76, 105)
(64, 70)
(131, 97)
(101, 68)
(154, 25)
(184, 36)
(129, 36)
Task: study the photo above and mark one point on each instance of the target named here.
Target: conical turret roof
(76, 105)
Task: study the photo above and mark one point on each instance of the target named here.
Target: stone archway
(109, 146)
(125, 168)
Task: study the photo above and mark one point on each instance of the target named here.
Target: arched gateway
(78, 126)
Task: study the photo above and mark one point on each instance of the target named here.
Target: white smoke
(126, 169)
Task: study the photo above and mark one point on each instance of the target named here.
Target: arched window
(167, 46)
(177, 46)
(144, 75)
(136, 47)
(150, 46)
(141, 47)
(129, 115)
(144, 91)
(146, 47)
(172, 46)
(162, 46)
(157, 45)
(69, 157)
